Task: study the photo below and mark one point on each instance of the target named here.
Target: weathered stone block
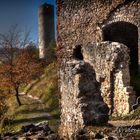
(85, 105)
(111, 61)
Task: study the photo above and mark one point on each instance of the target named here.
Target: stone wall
(111, 63)
(80, 23)
(96, 78)
(128, 12)
(81, 101)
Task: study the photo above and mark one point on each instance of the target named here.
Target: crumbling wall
(81, 18)
(111, 63)
(81, 101)
(128, 12)
(80, 23)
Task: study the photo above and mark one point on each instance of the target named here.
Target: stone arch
(124, 19)
(126, 33)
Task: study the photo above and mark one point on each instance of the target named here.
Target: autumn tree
(19, 65)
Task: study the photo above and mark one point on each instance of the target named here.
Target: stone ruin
(46, 28)
(98, 51)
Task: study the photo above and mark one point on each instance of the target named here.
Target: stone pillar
(46, 28)
(81, 101)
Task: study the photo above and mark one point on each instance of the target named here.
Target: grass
(131, 116)
(34, 111)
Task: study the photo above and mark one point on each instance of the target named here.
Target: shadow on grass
(33, 110)
(31, 120)
(33, 103)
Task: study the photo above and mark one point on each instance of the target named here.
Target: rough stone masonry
(111, 63)
(98, 45)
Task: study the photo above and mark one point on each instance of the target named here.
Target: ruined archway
(126, 33)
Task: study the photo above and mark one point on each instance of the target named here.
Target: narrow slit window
(77, 53)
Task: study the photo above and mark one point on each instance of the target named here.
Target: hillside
(39, 103)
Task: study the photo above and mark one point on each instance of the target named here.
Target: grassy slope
(33, 111)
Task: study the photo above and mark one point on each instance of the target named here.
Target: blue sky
(21, 12)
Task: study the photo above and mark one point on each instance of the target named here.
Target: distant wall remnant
(46, 28)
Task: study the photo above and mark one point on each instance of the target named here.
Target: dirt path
(29, 96)
(125, 122)
(114, 123)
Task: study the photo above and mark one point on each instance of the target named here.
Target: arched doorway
(126, 33)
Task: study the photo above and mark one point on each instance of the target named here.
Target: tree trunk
(17, 97)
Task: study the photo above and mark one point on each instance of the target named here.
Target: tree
(18, 65)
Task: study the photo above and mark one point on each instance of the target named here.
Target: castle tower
(46, 28)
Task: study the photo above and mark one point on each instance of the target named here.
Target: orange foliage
(22, 70)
